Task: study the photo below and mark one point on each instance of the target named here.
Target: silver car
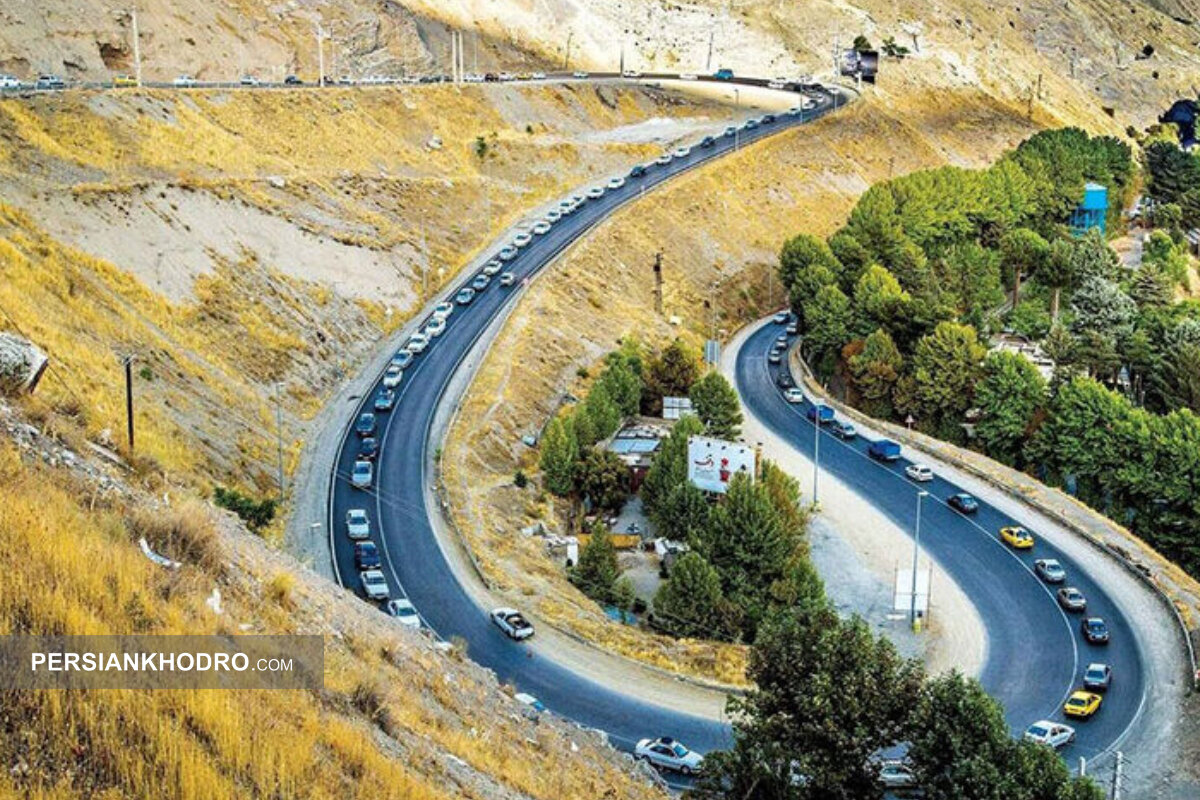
(362, 475)
(358, 524)
(666, 753)
(374, 585)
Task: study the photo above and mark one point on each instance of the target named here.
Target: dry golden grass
(724, 222)
(71, 570)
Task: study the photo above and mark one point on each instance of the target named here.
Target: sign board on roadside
(903, 591)
(712, 463)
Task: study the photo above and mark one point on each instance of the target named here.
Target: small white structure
(712, 463)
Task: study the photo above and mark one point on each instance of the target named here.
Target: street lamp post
(912, 612)
(816, 450)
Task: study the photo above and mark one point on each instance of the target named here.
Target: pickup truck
(821, 412)
(884, 450)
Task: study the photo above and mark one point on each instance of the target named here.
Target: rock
(21, 364)
(277, 181)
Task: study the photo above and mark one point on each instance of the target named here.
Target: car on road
(616, 183)
(368, 448)
(1016, 537)
(508, 253)
(687, 76)
(444, 308)
(681, 152)
(292, 80)
(541, 227)
(794, 395)
(9, 82)
(358, 524)
(666, 753)
(631, 73)
(895, 774)
(374, 585)
(842, 430)
(723, 74)
(707, 141)
(393, 376)
(465, 296)
(366, 556)
(775, 357)
(385, 400)
(508, 279)
(963, 503)
(365, 425)
(403, 611)
(1049, 570)
(784, 379)
(595, 192)
(579, 74)
(750, 124)
(480, 283)
(1082, 704)
(821, 412)
(1095, 630)
(884, 450)
(512, 623)
(522, 239)
(767, 119)
(792, 329)
(1051, 734)
(922, 473)
(776, 84)
(49, 82)
(1097, 677)
(417, 343)
(780, 318)
(249, 80)
(124, 81)
(530, 702)
(361, 475)
(402, 359)
(492, 267)
(638, 171)
(435, 327)
(1071, 599)
(663, 160)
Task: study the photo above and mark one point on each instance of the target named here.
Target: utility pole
(658, 282)
(137, 51)
(279, 439)
(129, 400)
(708, 62)
(912, 611)
(1116, 782)
(622, 69)
(454, 57)
(424, 266)
(816, 449)
(320, 57)
(462, 58)
(712, 306)
(567, 59)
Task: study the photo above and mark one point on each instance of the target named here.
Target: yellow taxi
(124, 81)
(1017, 537)
(1082, 704)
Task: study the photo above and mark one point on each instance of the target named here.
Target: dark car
(1094, 630)
(366, 556)
(768, 118)
(707, 141)
(784, 380)
(292, 80)
(824, 412)
(1071, 599)
(365, 425)
(884, 450)
(963, 503)
(385, 400)
(368, 448)
(638, 171)
(491, 77)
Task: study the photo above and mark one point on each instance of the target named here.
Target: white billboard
(712, 463)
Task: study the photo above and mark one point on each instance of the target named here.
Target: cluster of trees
(829, 695)
(748, 550)
(895, 304)
(1173, 182)
(598, 573)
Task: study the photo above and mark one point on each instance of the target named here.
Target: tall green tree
(945, 368)
(597, 572)
(1009, 395)
(879, 302)
(622, 379)
(1171, 171)
(1058, 272)
(875, 371)
(671, 374)
(717, 405)
(828, 318)
(597, 417)
(559, 450)
(683, 514)
(690, 602)
(601, 476)
(805, 265)
(1101, 307)
(669, 468)
(1024, 252)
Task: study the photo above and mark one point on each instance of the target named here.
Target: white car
(616, 183)
(443, 309)
(595, 192)
(374, 585)
(687, 76)
(522, 239)
(682, 152)
(553, 216)
(778, 83)
(393, 376)
(249, 80)
(358, 524)
(435, 327)
(541, 227)
(920, 473)
(529, 701)
(539, 76)
(512, 623)
(579, 73)
(794, 395)
(508, 279)
(404, 612)
(508, 253)
(666, 753)
(402, 359)
(1053, 734)
(631, 73)
(492, 267)
(362, 475)
(184, 82)
(417, 343)
(506, 76)
(9, 82)
(663, 160)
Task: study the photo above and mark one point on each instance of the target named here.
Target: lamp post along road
(912, 613)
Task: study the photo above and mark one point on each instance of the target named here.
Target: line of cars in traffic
(1082, 703)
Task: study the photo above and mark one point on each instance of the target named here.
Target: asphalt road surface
(1036, 654)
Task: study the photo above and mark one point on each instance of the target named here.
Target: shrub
(257, 514)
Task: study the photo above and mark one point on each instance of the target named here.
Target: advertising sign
(712, 463)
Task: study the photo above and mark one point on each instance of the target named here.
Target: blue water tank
(1091, 212)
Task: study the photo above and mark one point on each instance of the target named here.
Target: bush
(521, 480)
(257, 514)
(185, 534)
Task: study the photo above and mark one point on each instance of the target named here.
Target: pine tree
(691, 603)
(559, 450)
(1009, 395)
(669, 468)
(597, 572)
(717, 405)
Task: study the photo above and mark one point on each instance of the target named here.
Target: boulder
(21, 365)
